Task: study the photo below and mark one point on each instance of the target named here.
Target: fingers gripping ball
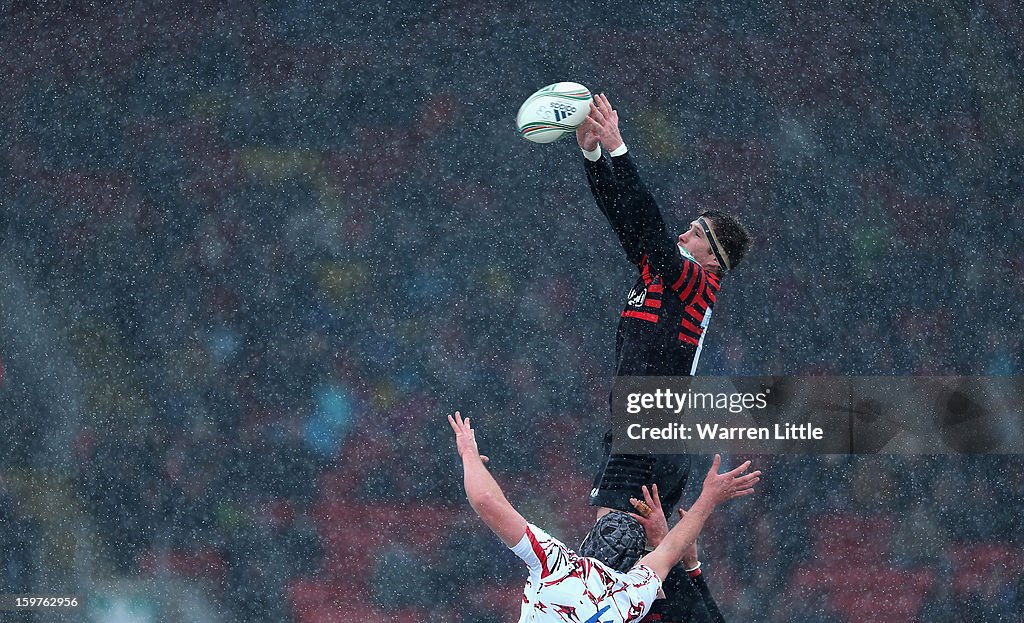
(553, 111)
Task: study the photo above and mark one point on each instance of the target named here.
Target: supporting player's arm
(717, 488)
(485, 496)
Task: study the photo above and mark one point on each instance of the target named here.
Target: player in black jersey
(662, 327)
(667, 311)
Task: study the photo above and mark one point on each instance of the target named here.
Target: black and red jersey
(667, 312)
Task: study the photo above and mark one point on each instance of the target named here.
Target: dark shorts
(621, 476)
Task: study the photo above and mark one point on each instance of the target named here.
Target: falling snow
(252, 253)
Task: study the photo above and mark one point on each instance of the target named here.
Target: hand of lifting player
(587, 134)
(465, 437)
(606, 119)
(650, 515)
(732, 484)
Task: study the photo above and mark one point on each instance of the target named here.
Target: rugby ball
(555, 110)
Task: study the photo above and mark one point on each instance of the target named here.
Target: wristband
(693, 572)
(618, 151)
(592, 156)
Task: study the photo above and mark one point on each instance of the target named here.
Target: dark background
(252, 254)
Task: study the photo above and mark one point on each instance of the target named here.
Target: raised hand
(607, 120)
(650, 515)
(732, 484)
(465, 437)
(588, 134)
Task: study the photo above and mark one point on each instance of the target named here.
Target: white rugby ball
(555, 110)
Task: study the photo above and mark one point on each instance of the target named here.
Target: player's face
(696, 242)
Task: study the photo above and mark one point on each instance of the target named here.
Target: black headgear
(617, 540)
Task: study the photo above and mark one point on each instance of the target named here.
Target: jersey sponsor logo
(637, 296)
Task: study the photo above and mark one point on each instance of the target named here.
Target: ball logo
(562, 110)
(552, 112)
(556, 110)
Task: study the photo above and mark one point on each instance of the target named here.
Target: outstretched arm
(605, 188)
(636, 209)
(485, 496)
(717, 488)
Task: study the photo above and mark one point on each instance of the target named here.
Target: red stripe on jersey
(629, 313)
(538, 551)
(655, 303)
(690, 326)
(646, 272)
(689, 339)
(682, 276)
(696, 315)
(656, 288)
(696, 282)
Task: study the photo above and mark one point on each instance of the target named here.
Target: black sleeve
(609, 198)
(634, 215)
(641, 210)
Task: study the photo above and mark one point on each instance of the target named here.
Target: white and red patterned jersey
(565, 587)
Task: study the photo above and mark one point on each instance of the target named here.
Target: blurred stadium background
(252, 253)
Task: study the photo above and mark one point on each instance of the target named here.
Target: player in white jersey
(565, 587)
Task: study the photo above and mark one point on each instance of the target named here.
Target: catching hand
(607, 120)
(588, 134)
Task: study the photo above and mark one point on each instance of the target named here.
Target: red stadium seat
(869, 593)
(975, 563)
(407, 615)
(853, 539)
(506, 600)
(568, 486)
(353, 533)
(315, 601)
(894, 597)
(347, 612)
(199, 563)
(306, 594)
(890, 605)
